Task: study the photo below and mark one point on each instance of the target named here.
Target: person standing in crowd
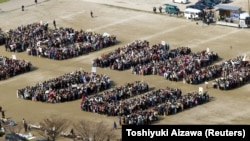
(91, 14)
(54, 23)
(22, 7)
(24, 121)
(154, 9)
(3, 114)
(72, 133)
(120, 120)
(36, 2)
(115, 125)
(160, 9)
(25, 125)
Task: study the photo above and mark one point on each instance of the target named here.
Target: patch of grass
(1, 1)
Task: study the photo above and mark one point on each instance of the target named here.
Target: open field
(226, 107)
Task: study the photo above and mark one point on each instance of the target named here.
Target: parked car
(171, 9)
(206, 3)
(197, 6)
(14, 137)
(191, 13)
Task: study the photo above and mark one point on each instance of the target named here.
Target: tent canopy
(227, 7)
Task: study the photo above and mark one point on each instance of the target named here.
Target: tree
(12, 129)
(53, 126)
(93, 131)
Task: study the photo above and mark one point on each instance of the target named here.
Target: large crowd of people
(187, 66)
(58, 44)
(233, 73)
(176, 64)
(159, 59)
(10, 67)
(227, 75)
(68, 87)
(108, 102)
(133, 103)
(142, 106)
(137, 55)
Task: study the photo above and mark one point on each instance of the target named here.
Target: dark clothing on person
(54, 23)
(91, 14)
(3, 114)
(154, 9)
(160, 9)
(115, 126)
(25, 127)
(72, 133)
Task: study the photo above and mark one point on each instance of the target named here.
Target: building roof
(227, 7)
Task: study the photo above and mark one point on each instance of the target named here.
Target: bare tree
(94, 131)
(53, 126)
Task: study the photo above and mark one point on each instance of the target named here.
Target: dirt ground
(226, 107)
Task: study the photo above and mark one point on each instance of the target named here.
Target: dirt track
(226, 107)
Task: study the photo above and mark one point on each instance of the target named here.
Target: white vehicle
(191, 13)
(180, 1)
(244, 20)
